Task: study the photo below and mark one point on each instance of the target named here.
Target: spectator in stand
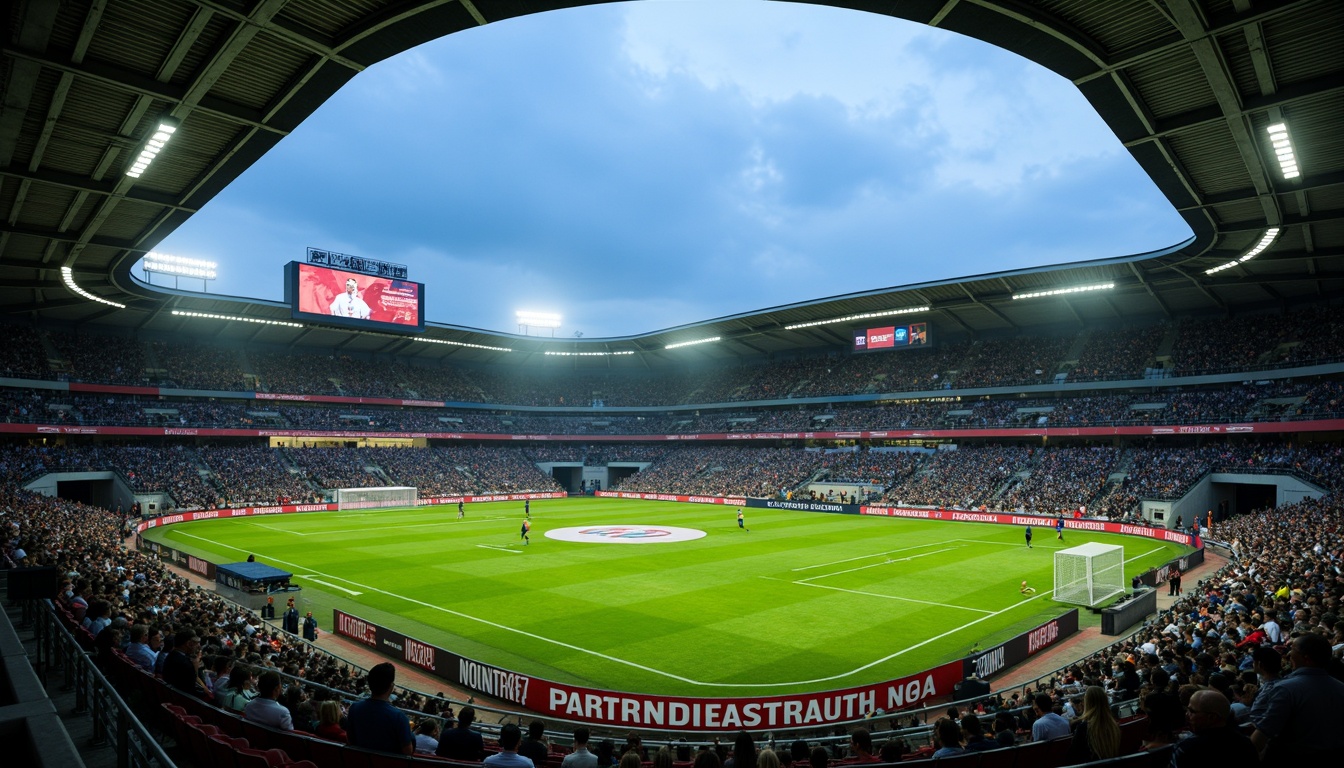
(1048, 725)
(744, 752)
(1215, 740)
(534, 746)
(182, 669)
(240, 690)
(510, 736)
(144, 647)
(1096, 734)
(373, 723)
(329, 722)
(580, 757)
(947, 738)
(460, 742)
(860, 748)
(426, 736)
(1301, 722)
(265, 709)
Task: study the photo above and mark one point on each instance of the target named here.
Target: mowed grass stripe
(720, 615)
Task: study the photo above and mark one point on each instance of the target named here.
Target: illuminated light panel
(1270, 235)
(1283, 150)
(692, 343)
(1063, 291)
(152, 147)
(236, 318)
(460, 344)
(590, 354)
(538, 319)
(179, 265)
(861, 316)
(68, 276)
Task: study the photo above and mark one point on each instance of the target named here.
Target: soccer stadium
(1082, 514)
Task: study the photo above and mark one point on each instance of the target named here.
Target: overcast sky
(644, 165)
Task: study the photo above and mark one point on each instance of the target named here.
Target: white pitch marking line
(501, 549)
(890, 597)
(277, 530)
(874, 565)
(865, 557)
(328, 584)
(635, 665)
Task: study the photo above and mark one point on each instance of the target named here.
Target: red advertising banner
(733, 502)
(1104, 526)
(640, 710)
(216, 514)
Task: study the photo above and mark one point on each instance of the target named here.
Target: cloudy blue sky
(643, 165)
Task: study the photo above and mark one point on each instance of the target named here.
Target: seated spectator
(860, 748)
(510, 736)
(973, 732)
(580, 757)
(1048, 725)
(426, 736)
(329, 722)
(460, 742)
(1300, 724)
(1215, 741)
(144, 646)
(265, 709)
(241, 689)
(374, 723)
(947, 738)
(534, 746)
(1096, 734)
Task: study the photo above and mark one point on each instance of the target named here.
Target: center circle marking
(625, 534)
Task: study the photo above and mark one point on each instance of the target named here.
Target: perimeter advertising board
(595, 706)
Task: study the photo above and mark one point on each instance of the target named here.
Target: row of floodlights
(590, 354)
(860, 316)
(1264, 243)
(179, 265)
(1064, 291)
(235, 318)
(68, 276)
(157, 141)
(1283, 150)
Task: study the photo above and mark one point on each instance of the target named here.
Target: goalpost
(1089, 574)
(374, 498)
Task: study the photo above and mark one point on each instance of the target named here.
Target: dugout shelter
(249, 584)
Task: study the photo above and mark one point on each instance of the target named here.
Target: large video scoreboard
(887, 337)
(319, 294)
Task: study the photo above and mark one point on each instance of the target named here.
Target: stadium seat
(1057, 752)
(1131, 734)
(1005, 757)
(1032, 753)
(324, 753)
(302, 764)
(222, 751)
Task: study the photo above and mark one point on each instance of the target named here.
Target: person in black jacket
(462, 743)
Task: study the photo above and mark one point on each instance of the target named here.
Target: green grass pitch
(802, 602)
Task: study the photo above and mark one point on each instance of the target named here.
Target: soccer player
(1059, 527)
(527, 528)
(742, 521)
(527, 508)
(461, 510)
(1026, 590)
(1028, 537)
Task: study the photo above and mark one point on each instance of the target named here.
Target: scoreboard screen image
(335, 297)
(886, 337)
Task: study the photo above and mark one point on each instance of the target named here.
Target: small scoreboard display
(912, 336)
(319, 294)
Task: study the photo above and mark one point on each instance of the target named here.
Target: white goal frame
(1089, 574)
(377, 498)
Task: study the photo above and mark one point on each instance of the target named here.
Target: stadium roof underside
(1189, 87)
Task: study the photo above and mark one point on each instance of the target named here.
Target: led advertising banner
(886, 337)
(321, 294)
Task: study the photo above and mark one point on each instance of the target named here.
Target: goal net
(374, 498)
(1089, 574)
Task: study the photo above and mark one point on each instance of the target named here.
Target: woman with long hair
(1096, 734)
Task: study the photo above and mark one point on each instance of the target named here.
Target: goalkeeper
(1027, 590)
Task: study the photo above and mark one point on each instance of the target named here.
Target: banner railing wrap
(641, 710)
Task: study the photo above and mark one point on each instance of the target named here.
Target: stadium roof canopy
(1189, 86)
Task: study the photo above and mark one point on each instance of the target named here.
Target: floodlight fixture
(152, 147)
(235, 318)
(469, 345)
(68, 276)
(1283, 150)
(709, 340)
(860, 316)
(1270, 235)
(1065, 291)
(555, 353)
(180, 266)
(538, 319)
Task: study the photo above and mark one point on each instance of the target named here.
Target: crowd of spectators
(1274, 608)
(726, 471)
(1062, 479)
(250, 475)
(455, 470)
(1247, 342)
(964, 478)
